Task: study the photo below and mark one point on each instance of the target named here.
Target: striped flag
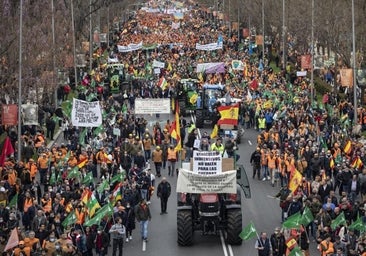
(348, 147)
(92, 205)
(229, 114)
(117, 194)
(175, 128)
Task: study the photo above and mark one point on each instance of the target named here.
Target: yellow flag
(295, 181)
(214, 132)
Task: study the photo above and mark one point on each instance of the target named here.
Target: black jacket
(164, 189)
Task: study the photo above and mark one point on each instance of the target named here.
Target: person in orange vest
(32, 241)
(28, 210)
(43, 164)
(326, 247)
(46, 203)
(39, 140)
(22, 249)
(172, 159)
(31, 165)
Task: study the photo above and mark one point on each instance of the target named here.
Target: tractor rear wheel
(182, 107)
(185, 228)
(199, 118)
(234, 227)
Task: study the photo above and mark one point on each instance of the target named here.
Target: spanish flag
(175, 128)
(348, 147)
(229, 114)
(82, 163)
(85, 196)
(331, 163)
(357, 163)
(295, 181)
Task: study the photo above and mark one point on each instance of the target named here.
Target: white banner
(190, 182)
(237, 65)
(209, 47)
(158, 64)
(29, 114)
(175, 25)
(207, 67)
(130, 47)
(207, 162)
(86, 114)
(152, 106)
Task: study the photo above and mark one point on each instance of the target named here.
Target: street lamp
(312, 54)
(19, 156)
(354, 63)
(283, 35)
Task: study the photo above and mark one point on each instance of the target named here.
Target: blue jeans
(143, 228)
(143, 193)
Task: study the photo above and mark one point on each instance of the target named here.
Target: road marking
(223, 243)
(231, 253)
(143, 246)
(250, 143)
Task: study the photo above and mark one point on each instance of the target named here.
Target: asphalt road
(263, 210)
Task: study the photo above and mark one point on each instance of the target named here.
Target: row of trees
(41, 57)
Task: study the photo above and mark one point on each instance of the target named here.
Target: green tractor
(207, 101)
(186, 95)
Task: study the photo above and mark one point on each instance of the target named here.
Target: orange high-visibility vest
(47, 205)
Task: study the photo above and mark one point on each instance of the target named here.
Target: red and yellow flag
(348, 147)
(175, 128)
(295, 181)
(229, 114)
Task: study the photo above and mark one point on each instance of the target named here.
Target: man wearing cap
(164, 190)
(157, 157)
(117, 232)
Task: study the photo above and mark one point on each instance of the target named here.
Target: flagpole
(260, 241)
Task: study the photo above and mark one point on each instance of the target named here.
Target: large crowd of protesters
(320, 140)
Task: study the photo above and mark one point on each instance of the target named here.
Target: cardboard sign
(207, 162)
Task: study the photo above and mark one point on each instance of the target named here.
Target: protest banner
(209, 47)
(346, 77)
(29, 114)
(9, 114)
(306, 61)
(237, 65)
(86, 114)
(190, 182)
(207, 162)
(152, 106)
(211, 68)
(130, 47)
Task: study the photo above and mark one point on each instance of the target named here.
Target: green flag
(307, 216)
(66, 157)
(248, 232)
(94, 221)
(294, 221)
(358, 225)
(67, 107)
(338, 221)
(106, 210)
(69, 220)
(98, 130)
(103, 186)
(88, 178)
(53, 178)
(296, 252)
(14, 201)
(74, 173)
(82, 136)
(117, 178)
(92, 205)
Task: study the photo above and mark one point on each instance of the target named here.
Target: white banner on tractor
(190, 182)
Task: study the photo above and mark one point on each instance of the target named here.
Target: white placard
(116, 131)
(152, 106)
(301, 73)
(197, 143)
(86, 114)
(190, 182)
(156, 71)
(158, 64)
(207, 162)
